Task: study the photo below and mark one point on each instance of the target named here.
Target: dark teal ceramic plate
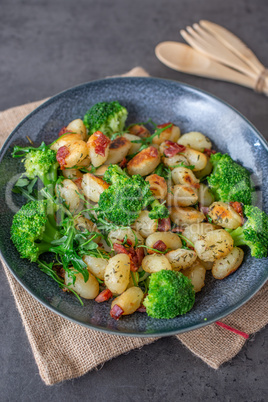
(161, 100)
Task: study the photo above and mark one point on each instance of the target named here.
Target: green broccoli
(33, 229)
(254, 233)
(107, 117)
(123, 201)
(229, 181)
(40, 162)
(170, 294)
(158, 211)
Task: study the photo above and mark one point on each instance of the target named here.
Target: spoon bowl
(183, 58)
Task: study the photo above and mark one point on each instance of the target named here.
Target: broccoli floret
(229, 181)
(114, 173)
(159, 211)
(40, 162)
(33, 229)
(254, 233)
(107, 117)
(122, 202)
(170, 294)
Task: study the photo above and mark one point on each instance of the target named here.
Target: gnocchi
(158, 186)
(172, 134)
(224, 215)
(181, 258)
(93, 186)
(183, 216)
(130, 300)
(98, 148)
(144, 225)
(214, 245)
(155, 262)
(88, 289)
(171, 240)
(197, 274)
(227, 265)
(116, 275)
(144, 162)
(195, 140)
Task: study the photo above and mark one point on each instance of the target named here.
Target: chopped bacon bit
(141, 309)
(123, 163)
(100, 142)
(173, 148)
(159, 245)
(116, 312)
(134, 266)
(129, 242)
(62, 153)
(164, 225)
(203, 209)
(105, 295)
(238, 208)
(165, 125)
(78, 182)
(63, 131)
(140, 255)
(119, 248)
(208, 152)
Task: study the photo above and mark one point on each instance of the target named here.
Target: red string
(236, 331)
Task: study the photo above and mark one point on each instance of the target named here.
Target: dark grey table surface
(48, 46)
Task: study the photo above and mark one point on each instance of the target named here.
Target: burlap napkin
(64, 350)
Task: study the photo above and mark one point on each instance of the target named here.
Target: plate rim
(111, 331)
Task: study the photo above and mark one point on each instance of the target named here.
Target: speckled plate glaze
(161, 100)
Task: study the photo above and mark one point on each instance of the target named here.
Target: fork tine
(206, 35)
(215, 49)
(235, 44)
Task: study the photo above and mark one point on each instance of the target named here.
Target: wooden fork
(223, 46)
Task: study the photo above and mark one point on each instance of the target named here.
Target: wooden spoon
(181, 57)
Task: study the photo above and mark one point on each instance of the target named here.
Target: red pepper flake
(63, 131)
(100, 142)
(105, 295)
(116, 312)
(123, 163)
(159, 245)
(164, 225)
(173, 148)
(62, 153)
(208, 152)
